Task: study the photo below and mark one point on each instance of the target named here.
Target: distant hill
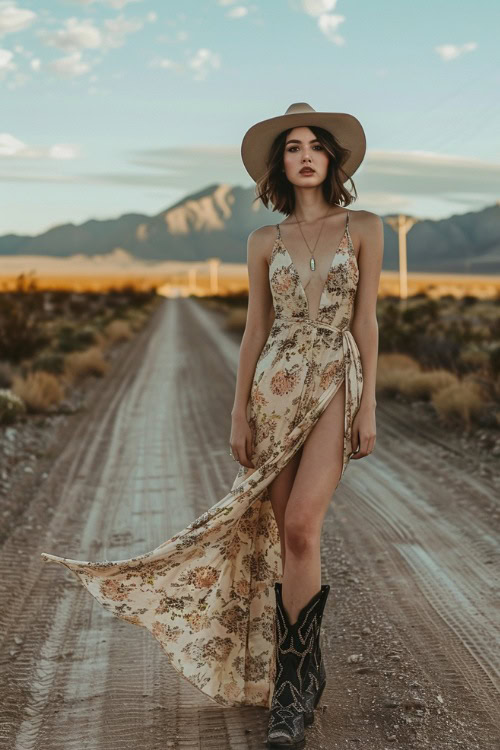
(216, 222)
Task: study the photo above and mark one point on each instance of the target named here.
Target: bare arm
(260, 316)
(364, 325)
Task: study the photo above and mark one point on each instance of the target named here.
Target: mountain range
(216, 221)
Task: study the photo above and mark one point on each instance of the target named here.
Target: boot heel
(318, 696)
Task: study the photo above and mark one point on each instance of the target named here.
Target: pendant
(312, 263)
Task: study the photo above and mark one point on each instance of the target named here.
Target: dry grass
(463, 401)
(421, 385)
(397, 362)
(475, 359)
(137, 319)
(88, 362)
(39, 390)
(394, 369)
(118, 330)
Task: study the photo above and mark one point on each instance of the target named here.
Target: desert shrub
(495, 360)
(459, 402)
(21, 328)
(89, 362)
(136, 297)
(428, 310)
(421, 385)
(136, 318)
(118, 330)
(6, 375)
(11, 406)
(39, 390)
(49, 362)
(468, 300)
(438, 351)
(473, 359)
(75, 338)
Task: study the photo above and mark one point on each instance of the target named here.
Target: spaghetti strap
(347, 219)
(279, 231)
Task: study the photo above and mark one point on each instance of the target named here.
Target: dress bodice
(339, 290)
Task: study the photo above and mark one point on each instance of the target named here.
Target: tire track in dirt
(442, 557)
(151, 454)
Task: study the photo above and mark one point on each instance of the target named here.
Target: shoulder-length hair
(275, 188)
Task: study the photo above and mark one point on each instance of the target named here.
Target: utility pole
(402, 225)
(192, 286)
(213, 265)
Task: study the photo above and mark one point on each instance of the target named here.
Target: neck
(310, 206)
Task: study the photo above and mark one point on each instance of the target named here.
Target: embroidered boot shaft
(293, 652)
(316, 676)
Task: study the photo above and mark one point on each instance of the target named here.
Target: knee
(301, 535)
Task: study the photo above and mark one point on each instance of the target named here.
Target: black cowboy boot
(293, 651)
(316, 677)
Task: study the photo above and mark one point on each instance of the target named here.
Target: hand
(240, 441)
(364, 432)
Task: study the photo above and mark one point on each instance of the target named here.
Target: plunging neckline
(297, 275)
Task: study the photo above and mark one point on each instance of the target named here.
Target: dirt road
(410, 548)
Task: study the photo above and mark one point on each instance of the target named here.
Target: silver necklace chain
(312, 260)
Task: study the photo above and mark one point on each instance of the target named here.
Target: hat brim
(258, 139)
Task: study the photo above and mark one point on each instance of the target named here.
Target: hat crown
(299, 108)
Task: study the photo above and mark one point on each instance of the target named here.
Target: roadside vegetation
(52, 340)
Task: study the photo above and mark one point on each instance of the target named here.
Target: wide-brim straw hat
(258, 139)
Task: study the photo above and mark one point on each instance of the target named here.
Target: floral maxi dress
(207, 594)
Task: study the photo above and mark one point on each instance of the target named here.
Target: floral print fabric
(207, 594)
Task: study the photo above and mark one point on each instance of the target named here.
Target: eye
(317, 146)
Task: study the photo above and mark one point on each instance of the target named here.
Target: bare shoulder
(260, 242)
(366, 219)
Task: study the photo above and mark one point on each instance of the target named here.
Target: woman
(319, 287)
(212, 594)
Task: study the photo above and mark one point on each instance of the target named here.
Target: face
(302, 149)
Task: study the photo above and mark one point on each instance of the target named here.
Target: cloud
(318, 7)
(14, 19)
(70, 66)
(198, 64)
(239, 12)
(328, 23)
(387, 181)
(12, 147)
(117, 4)
(6, 60)
(427, 173)
(118, 28)
(75, 36)
(451, 51)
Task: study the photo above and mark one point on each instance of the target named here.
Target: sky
(115, 106)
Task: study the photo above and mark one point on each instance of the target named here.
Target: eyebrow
(297, 140)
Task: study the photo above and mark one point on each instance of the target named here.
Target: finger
(355, 441)
(249, 451)
(241, 453)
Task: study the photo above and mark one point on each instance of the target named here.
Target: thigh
(281, 487)
(320, 466)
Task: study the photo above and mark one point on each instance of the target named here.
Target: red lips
(306, 170)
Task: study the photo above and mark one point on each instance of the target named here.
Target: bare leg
(279, 492)
(316, 479)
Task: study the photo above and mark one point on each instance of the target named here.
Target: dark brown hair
(275, 188)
